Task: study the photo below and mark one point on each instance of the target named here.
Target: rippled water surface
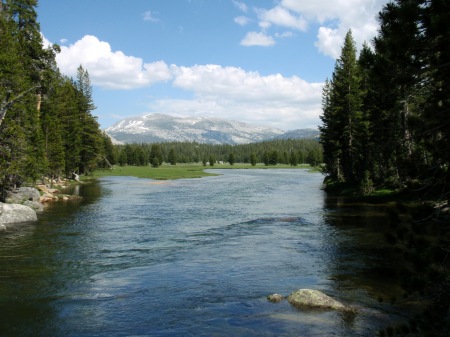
(196, 257)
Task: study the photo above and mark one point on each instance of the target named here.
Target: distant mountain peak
(160, 128)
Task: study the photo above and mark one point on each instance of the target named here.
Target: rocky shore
(24, 203)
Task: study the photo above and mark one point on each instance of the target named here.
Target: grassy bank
(179, 171)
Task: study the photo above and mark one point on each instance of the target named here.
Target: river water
(197, 257)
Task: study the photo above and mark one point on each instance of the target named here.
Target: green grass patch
(163, 172)
(179, 171)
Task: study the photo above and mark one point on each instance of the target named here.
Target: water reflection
(362, 263)
(31, 271)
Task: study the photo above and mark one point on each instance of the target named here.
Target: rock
(47, 197)
(275, 298)
(12, 213)
(22, 194)
(42, 188)
(37, 206)
(314, 299)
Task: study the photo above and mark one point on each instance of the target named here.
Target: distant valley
(159, 128)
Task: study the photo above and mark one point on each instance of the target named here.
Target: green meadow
(179, 171)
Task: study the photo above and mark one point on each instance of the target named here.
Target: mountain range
(158, 128)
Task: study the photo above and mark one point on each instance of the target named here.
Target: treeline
(386, 122)
(291, 151)
(386, 118)
(46, 125)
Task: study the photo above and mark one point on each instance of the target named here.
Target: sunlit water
(196, 257)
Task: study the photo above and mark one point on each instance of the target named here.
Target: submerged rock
(275, 298)
(314, 299)
(13, 213)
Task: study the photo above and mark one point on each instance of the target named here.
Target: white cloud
(334, 18)
(228, 92)
(242, 20)
(107, 68)
(241, 6)
(281, 16)
(329, 41)
(284, 35)
(234, 93)
(46, 43)
(257, 39)
(150, 16)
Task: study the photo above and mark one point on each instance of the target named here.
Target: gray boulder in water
(314, 299)
(13, 213)
(309, 299)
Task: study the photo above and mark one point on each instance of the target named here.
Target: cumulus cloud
(281, 16)
(110, 69)
(46, 43)
(238, 94)
(242, 20)
(228, 92)
(257, 39)
(333, 17)
(336, 17)
(241, 6)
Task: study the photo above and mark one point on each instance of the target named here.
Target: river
(197, 257)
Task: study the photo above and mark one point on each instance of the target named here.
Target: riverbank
(24, 203)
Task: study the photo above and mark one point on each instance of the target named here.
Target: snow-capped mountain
(165, 128)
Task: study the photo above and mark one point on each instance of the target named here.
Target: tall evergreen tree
(342, 103)
(91, 138)
(172, 157)
(156, 155)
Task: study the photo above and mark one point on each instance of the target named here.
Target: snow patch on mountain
(165, 128)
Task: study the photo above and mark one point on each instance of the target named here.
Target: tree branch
(5, 104)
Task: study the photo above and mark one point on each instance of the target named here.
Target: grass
(179, 171)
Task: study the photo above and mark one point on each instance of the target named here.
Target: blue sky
(257, 61)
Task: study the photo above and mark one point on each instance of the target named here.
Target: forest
(46, 122)
(386, 117)
(386, 125)
(279, 151)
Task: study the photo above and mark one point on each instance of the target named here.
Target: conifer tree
(172, 157)
(253, 159)
(342, 100)
(156, 155)
(231, 158)
(91, 138)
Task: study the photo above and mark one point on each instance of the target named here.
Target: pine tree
(342, 102)
(20, 67)
(156, 155)
(231, 158)
(329, 136)
(436, 108)
(172, 157)
(253, 159)
(91, 146)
